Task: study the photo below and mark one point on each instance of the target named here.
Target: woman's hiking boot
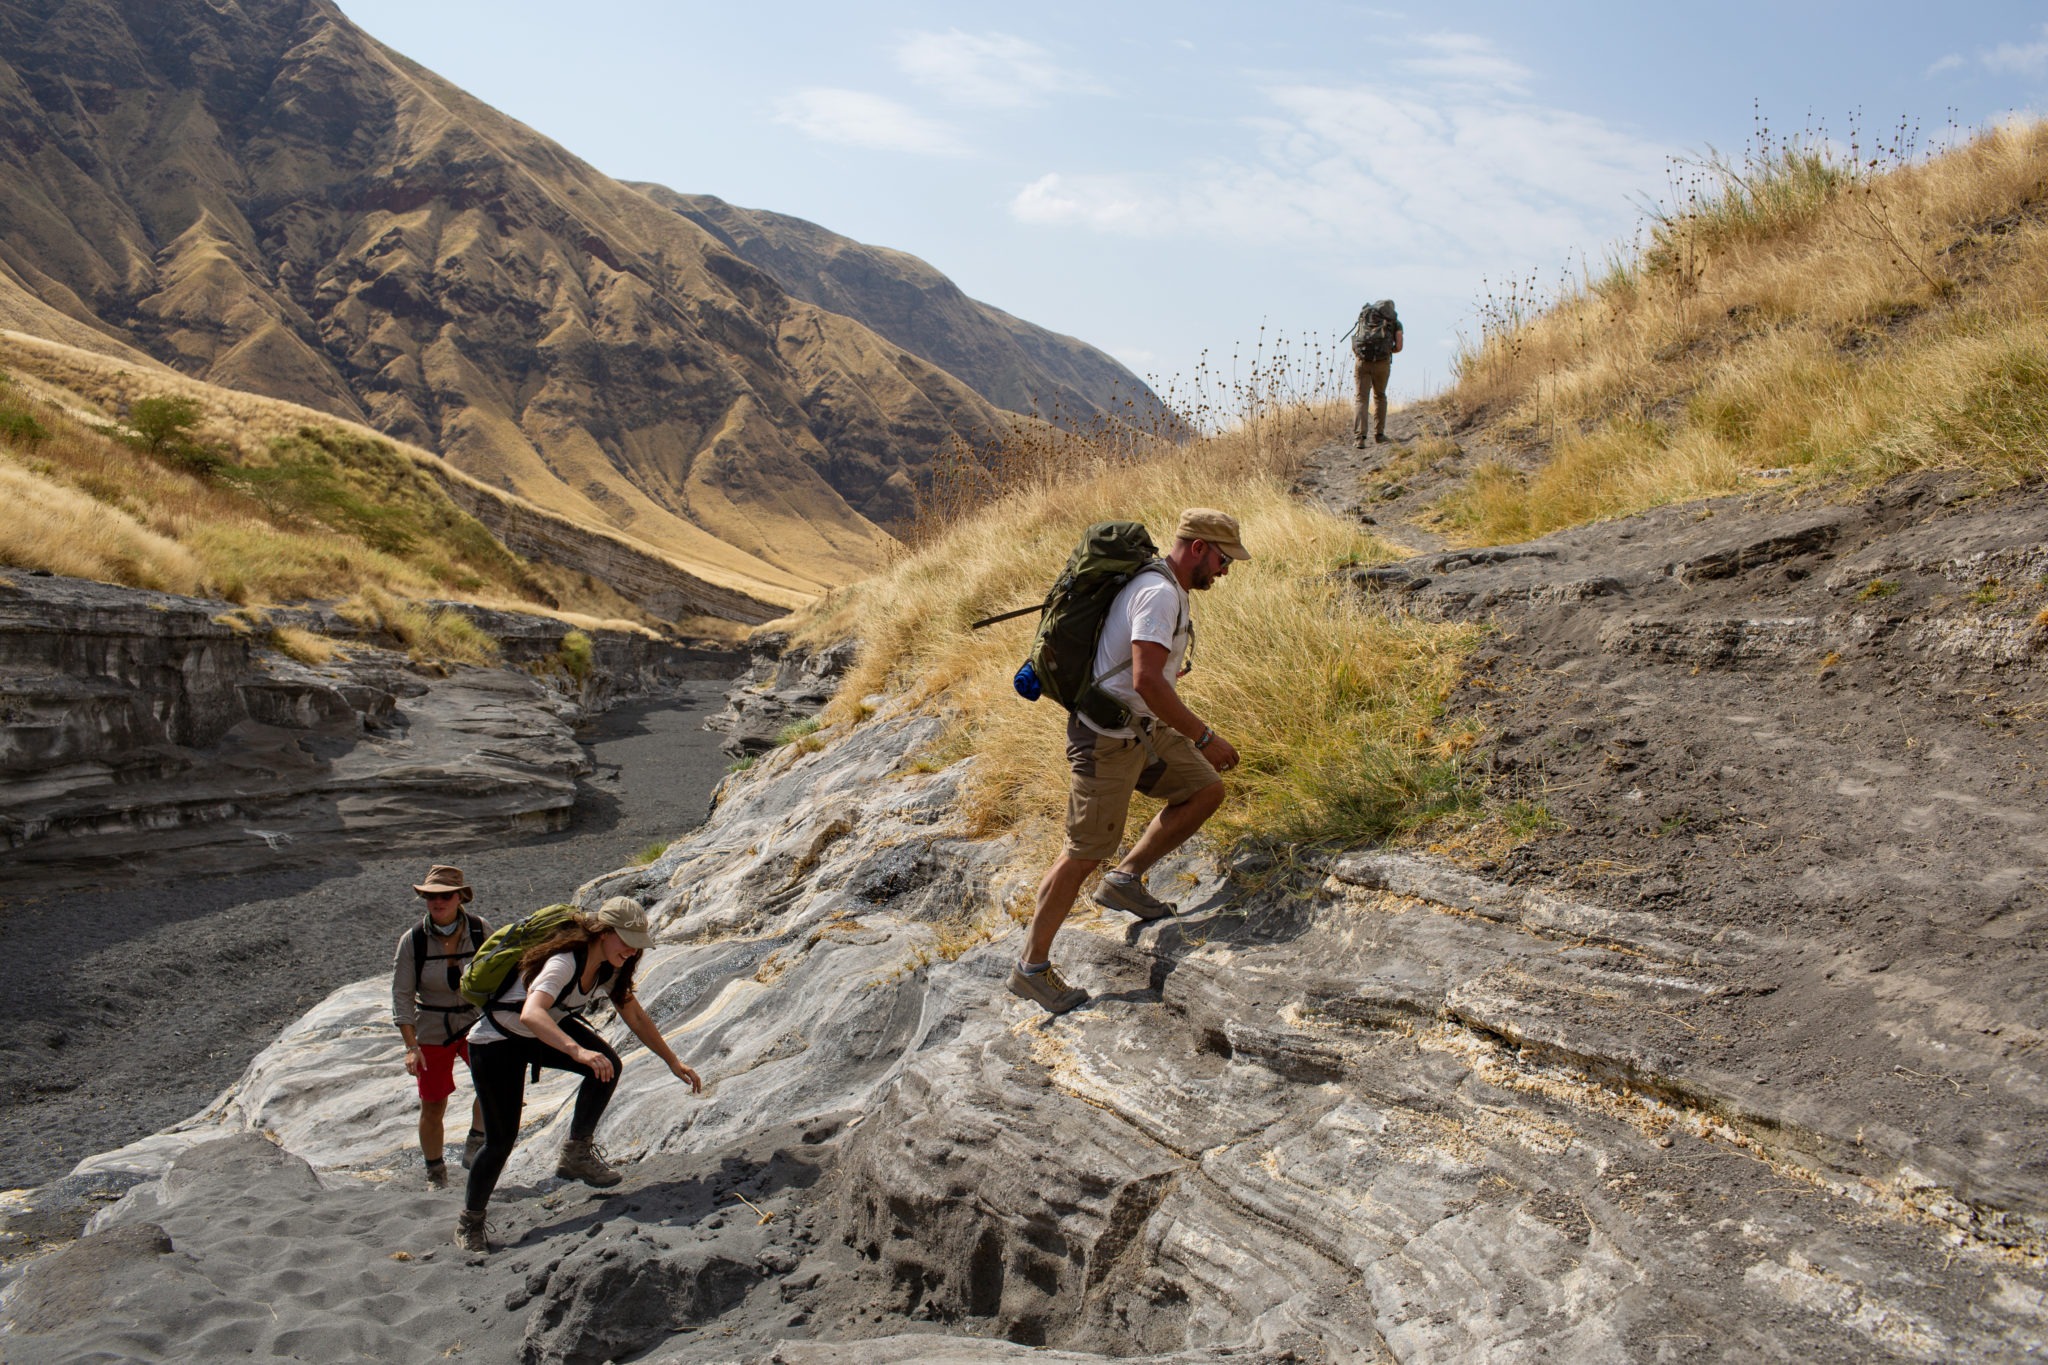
(581, 1160)
(1047, 989)
(469, 1231)
(437, 1173)
(1121, 891)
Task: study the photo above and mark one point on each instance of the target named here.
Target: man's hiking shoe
(582, 1161)
(471, 1145)
(1047, 989)
(1118, 892)
(1380, 438)
(469, 1231)
(1359, 444)
(437, 1175)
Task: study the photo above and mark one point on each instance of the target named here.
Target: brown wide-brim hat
(441, 877)
(1217, 528)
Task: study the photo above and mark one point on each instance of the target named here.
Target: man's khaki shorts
(1107, 771)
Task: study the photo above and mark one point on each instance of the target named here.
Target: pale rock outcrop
(1383, 1110)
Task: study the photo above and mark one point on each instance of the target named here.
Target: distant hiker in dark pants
(1168, 752)
(1375, 340)
(533, 1023)
(431, 1015)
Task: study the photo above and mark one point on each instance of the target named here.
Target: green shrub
(19, 427)
(163, 420)
(796, 730)
(575, 655)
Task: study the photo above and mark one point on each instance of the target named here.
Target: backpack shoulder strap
(419, 950)
(1131, 657)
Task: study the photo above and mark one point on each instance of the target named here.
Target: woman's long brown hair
(567, 939)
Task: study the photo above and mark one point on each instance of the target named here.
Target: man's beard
(1201, 578)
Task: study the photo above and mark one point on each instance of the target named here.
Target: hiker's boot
(1358, 443)
(582, 1161)
(469, 1231)
(1379, 438)
(471, 1145)
(1047, 989)
(1121, 891)
(437, 1173)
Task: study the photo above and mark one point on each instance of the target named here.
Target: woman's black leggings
(498, 1070)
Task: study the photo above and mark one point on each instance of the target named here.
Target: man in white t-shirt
(1167, 751)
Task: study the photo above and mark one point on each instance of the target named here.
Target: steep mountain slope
(261, 195)
(265, 501)
(1011, 362)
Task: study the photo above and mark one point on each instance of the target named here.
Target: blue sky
(1165, 179)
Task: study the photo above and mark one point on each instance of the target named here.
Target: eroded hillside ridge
(147, 729)
(1008, 361)
(1379, 1108)
(264, 197)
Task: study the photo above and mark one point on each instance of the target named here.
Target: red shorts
(437, 1069)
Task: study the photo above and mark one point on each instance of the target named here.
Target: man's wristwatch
(1207, 735)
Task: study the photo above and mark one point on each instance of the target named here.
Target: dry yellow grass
(1805, 315)
(1332, 703)
(304, 645)
(66, 530)
(428, 634)
(259, 514)
(91, 388)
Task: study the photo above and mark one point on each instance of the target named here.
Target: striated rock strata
(145, 726)
(1377, 1108)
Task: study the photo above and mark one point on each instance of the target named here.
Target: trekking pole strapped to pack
(1011, 615)
(1062, 660)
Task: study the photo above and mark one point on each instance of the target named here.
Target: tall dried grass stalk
(1332, 702)
(1275, 403)
(1846, 318)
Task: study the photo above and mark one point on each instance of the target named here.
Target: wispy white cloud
(1942, 65)
(855, 118)
(2020, 59)
(991, 70)
(1448, 163)
(1464, 59)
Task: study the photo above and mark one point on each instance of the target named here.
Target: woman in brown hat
(534, 1023)
(430, 1012)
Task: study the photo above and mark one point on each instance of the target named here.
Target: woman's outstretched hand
(684, 1073)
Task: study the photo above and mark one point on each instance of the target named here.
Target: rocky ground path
(1732, 1060)
(140, 1000)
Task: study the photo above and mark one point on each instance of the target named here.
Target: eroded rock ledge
(1383, 1109)
(138, 724)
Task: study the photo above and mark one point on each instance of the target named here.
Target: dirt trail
(1815, 726)
(129, 1024)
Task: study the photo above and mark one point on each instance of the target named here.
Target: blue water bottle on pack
(1027, 684)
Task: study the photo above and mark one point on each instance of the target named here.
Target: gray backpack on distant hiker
(1373, 335)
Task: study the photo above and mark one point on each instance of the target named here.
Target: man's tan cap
(1218, 528)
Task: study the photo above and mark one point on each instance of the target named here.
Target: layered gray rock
(1383, 1109)
(146, 727)
(782, 687)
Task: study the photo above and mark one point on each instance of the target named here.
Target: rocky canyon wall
(1377, 1109)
